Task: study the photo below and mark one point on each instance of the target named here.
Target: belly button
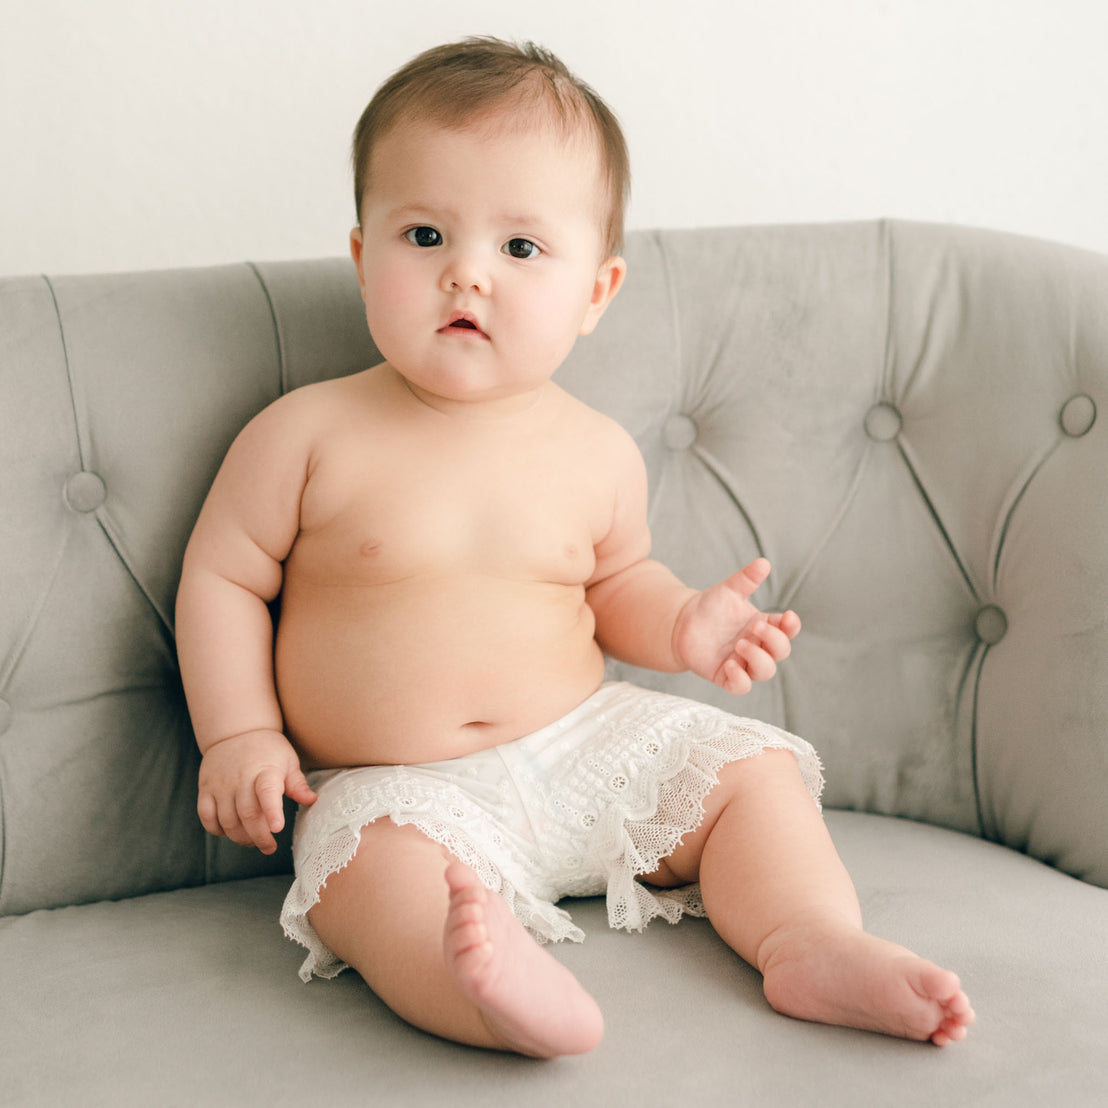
(369, 549)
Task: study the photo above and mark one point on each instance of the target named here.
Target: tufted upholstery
(120, 396)
(902, 418)
(908, 420)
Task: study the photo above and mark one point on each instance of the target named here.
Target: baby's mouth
(462, 323)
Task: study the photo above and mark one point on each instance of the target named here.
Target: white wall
(144, 133)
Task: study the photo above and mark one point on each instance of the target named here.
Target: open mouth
(462, 323)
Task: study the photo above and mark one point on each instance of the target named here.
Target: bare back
(433, 600)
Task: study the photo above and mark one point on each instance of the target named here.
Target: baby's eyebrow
(512, 221)
(528, 223)
(411, 211)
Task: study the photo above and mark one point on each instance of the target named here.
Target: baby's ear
(356, 243)
(609, 278)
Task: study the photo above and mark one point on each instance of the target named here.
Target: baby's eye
(521, 248)
(423, 236)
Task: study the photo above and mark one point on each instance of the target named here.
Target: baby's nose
(463, 273)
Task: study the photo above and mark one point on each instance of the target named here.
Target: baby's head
(479, 80)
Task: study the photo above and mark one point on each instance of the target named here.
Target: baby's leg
(775, 889)
(451, 960)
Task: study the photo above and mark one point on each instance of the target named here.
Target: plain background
(154, 133)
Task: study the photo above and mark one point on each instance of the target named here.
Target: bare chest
(521, 511)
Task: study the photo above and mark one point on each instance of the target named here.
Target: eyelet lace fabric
(581, 808)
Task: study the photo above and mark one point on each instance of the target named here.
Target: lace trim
(322, 851)
(658, 824)
(614, 805)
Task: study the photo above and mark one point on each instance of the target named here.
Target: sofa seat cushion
(192, 997)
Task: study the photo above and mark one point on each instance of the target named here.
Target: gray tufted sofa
(912, 423)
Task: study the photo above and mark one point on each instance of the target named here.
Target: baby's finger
(789, 622)
(733, 678)
(270, 792)
(230, 824)
(208, 812)
(757, 662)
(747, 580)
(297, 787)
(771, 639)
(254, 829)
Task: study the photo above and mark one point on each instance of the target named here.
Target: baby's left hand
(721, 636)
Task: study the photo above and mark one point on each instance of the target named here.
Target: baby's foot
(529, 1001)
(847, 977)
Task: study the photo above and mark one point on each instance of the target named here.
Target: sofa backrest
(902, 417)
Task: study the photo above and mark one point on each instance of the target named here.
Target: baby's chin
(475, 396)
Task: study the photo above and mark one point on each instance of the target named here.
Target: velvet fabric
(907, 419)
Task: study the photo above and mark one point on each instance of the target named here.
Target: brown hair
(457, 84)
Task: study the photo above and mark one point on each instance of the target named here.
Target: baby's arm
(647, 617)
(232, 568)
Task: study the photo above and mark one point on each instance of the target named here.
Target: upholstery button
(679, 432)
(5, 716)
(991, 625)
(85, 491)
(883, 423)
(1078, 415)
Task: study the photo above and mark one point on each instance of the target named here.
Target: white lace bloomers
(579, 808)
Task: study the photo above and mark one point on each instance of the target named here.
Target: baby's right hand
(242, 782)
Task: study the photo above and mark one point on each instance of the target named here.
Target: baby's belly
(425, 670)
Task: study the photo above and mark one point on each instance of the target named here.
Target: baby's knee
(383, 833)
(388, 855)
(386, 849)
(755, 772)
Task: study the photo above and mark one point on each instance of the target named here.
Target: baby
(456, 543)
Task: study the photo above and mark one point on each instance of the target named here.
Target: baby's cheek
(554, 327)
(385, 294)
(390, 306)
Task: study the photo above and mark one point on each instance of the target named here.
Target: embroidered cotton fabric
(579, 808)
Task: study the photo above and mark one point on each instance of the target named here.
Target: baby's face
(481, 256)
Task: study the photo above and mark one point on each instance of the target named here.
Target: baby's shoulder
(581, 416)
(305, 411)
(326, 398)
(600, 433)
